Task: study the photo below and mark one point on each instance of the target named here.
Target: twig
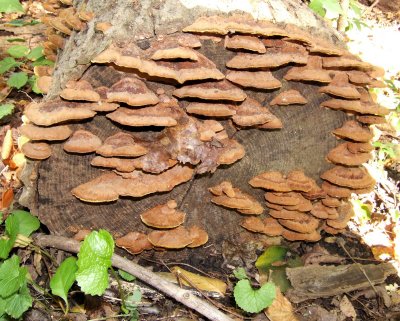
(183, 296)
(369, 9)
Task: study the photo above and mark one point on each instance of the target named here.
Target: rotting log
(302, 143)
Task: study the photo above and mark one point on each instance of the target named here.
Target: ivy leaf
(26, 223)
(253, 301)
(35, 53)
(6, 110)
(12, 276)
(18, 51)
(126, 276)
(64, 277)
(18, 80)
(94, 260)
(19, 302)
(7, 63)
(10, 6)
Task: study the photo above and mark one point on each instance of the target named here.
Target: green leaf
(6, 244)
(333, 6)
(64, 277)
(10, 6)
(35, 53)
(19, 302)
(126, 276)
(18, 51)
(16, 40)
(26, 222)
(132, 300)
(253, 301)
(18, 80)
(272, 254)
(21, 23)
(6, 110)
(42, 61)
(317, 7)
(240, 273)
(94, 260)
(33, 83)
(354, 6)
(12, 276)
(7, 63)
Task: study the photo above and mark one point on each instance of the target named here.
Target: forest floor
(372, 236)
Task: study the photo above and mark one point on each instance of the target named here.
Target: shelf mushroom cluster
(193, 140)
(170, 234)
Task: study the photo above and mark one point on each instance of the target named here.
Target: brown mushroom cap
(287, 198)
(276, 123)
(307, 225)
(231, 152)
(345, 62)
(298, 181)
(319, 210)
(244, 42)
(234, 24)
(336, 191)
(176, 238)
(311, 72)
(371, 119)
(304, 206)
(331, 202)
(37, 151)
(71, 18)
(341, 155)
(56, 111)
(199, 236)
(359, 78)
(45, 133)
(254, 79)
(271, 180)
(210, 110)
(345, 212)
(274, 57)
(331, 230)
(44, 83)
(340, 86)
(353, 177)
(131, 91)
(316, 192)
(221, 90)
(289, 97)
(163, 216)
(124, 165)
(82, 142)
(121, 144)
(289, 215)
(251, 113)
(268, 226)
(159, 115)
(325, 47)
(352, 129)
(175, 53)
(79, 90)
(295, 236)
(360, 147)
(134, 242)
(274, 206)
(361, 107)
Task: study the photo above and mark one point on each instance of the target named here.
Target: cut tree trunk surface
(302, 143)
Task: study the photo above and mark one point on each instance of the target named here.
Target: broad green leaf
(19, 302)
(18, 80)
(240, 273)
(12, 276)
(253, 301)
(16, 40)
(35, 53)
(7, 63)
(126, 276)
(42, 61)
(132, 300)
(10, 6)
(33, 83)
(356, 9)
(94, 260)
(317, 7)
(6, 110)
(18, 51)
(272, 254)
(333, 6)
(26, 222)
(64, 277)
(6, 244)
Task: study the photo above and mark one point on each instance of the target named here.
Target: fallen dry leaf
(200, 282)
(347, 308)
(280, 309)
(7, 198)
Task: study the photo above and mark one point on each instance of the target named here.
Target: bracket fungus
(164, 216)
(244, 42)
(79, 90)
(134, 242)
(45, 133)
(343, 156)
(289, 97)
(254, 79)
(311, 72)
(121, 144)
(82, 142)
(340, 86)
(38, 151)
(353, 130)
(176, 238)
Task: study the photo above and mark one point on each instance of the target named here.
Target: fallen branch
(183, 296)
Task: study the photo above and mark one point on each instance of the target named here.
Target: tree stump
(302, 144)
